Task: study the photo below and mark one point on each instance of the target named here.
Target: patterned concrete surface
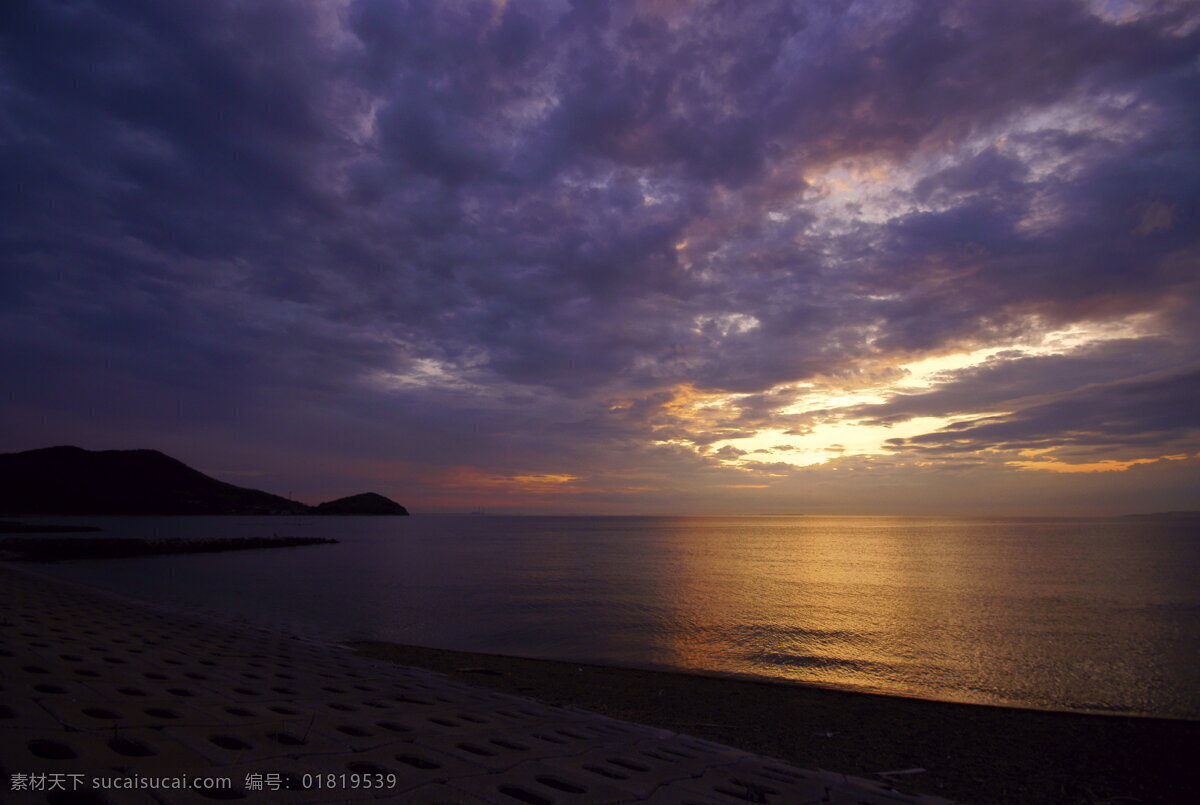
(97, 691)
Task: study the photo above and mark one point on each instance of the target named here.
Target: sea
(1086, 615)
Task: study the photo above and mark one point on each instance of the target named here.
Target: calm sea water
(1093, 615)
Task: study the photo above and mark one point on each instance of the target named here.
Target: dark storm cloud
(401, 217)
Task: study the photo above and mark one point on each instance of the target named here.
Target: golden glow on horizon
(1107, 465)
(832, 430)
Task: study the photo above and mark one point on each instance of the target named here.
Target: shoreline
(976, 753)
(101, 690)
(964, 752)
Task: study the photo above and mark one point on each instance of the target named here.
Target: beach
(970, 753)
(101, 691)
(110, 700)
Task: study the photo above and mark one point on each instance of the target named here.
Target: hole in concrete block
(392, 726)
(34, 669)
(609, 773)
(71, 657)
(155, 675)
(521, 795)
(130, 748)
(445, 722)
(472, 719)
(560, 785)
(418, 762)
(345, 708)
(228, 742)
(85, 672)
(357, 732)
(283, 690)
(7, 712)
(548, 738)
(115, 660)
(477, 750)
(334, 689)
(180, 692)
(131, 691)
(49, 689)
(100, 712)
(284, 711)
(285, 738)
(507, 744)
(363, 767)
(195, 676)
(677, 753)
(161, 712)
(246, 691)
(632, 765)
(410, 700)
(51, 750)
(239, 711)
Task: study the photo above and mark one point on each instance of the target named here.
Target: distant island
(366, 503)
(73, 481)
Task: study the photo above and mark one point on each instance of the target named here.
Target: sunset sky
(613, 257)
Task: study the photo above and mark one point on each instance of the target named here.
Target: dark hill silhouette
(366, 503)
(71, 480)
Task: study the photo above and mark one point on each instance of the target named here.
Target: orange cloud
(1108, 465)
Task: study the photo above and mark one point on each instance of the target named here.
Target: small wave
(813, 661)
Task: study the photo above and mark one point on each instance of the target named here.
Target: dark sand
(971, 753)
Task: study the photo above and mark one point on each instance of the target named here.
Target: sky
(654, 257)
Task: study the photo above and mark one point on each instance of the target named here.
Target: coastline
(124, 701)
(969, 752)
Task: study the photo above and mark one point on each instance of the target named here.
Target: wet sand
(971, 753)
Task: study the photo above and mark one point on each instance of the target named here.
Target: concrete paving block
(301, 780)
(616, 727)
(439, 794)
(224, 745)
(97, 715)
(41, 750)
(672, 795)
(413, 764)
(486, 750)
(627, 769)
(537, 783)
(733, 783)
(19, 713)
